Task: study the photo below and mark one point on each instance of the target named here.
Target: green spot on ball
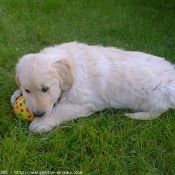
(20, 116)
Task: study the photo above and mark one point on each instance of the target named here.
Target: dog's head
(42, 79)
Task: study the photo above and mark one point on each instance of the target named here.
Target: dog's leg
(14, 97)
(42, 124)
(144, 115)
(59, 114)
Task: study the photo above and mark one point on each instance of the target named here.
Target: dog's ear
(65, 73)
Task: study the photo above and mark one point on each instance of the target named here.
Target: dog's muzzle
(38, 114)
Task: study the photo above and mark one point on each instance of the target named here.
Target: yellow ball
(21, 111)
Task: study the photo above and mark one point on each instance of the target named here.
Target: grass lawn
(107, 143)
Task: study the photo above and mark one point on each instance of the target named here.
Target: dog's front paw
(16, 95)
(39, 125)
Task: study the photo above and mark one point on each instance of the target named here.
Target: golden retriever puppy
(73, 80)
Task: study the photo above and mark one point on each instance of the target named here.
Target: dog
(74, 80)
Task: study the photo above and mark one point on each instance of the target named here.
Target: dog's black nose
(38, 114)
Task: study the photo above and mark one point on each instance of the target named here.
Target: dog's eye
(27, 91)
(45, 89)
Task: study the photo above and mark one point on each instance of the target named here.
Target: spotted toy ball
(21, 111)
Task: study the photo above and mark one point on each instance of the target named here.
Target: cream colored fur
(73, 80)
